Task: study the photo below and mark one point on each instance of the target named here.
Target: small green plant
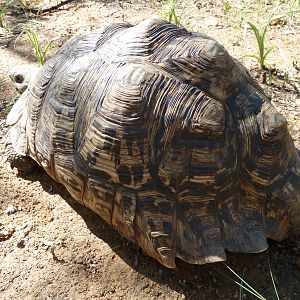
(263, 52)
(282, 18)
(286, 74)
(272, 73)
(39, 53)
(169, 10)
(260, 33)
(3, 11)
(226, 6)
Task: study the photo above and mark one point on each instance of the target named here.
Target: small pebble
(11, 209)
(5, 234)
(21, 243)
(211, 21)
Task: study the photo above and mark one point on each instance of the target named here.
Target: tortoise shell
(165, 136)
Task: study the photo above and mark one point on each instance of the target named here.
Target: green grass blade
(254, 293)
(259, 39)
(28, 33)
(255, 30)
(37, 49)
(264, 32)
(184, 8)
(176, 21)
(47, 46)
(168, 11)
(241, 286)
(272, 277)
(284, 15)
(250, 55)
(244, 282)
(33, 39)
(274, 285)
(173, 11)
(268, 51)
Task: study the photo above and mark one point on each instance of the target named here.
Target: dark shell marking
(168, 138)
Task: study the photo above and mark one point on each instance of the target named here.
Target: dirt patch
(53, 248)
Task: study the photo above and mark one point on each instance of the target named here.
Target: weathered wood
(43, 10)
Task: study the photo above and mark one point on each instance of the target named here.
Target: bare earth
(53, 248)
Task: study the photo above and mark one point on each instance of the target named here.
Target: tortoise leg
(24, 164)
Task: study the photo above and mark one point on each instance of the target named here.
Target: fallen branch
(39, 11)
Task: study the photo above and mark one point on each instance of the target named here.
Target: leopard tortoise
(165, 136)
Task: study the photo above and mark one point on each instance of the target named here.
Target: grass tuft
(3, 11)
(40, 53)
(169, 11)
(263, 52)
